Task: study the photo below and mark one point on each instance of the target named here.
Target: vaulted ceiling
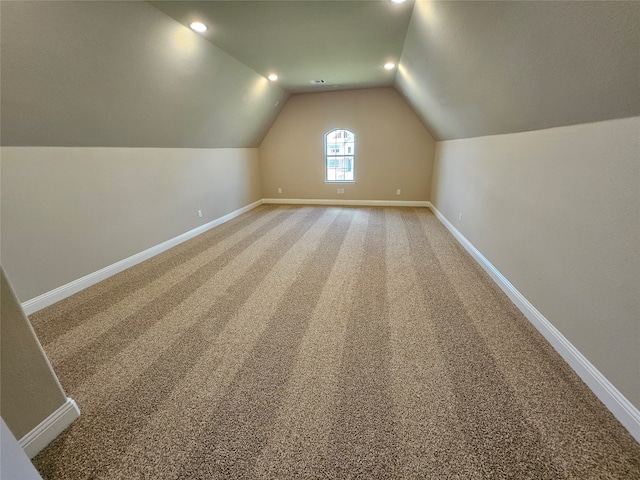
(344, 43)
(468, 68)
(105, 73)
(482, 68)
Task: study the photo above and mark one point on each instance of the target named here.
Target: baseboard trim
(64, 291)
(614, 400)
(340, 202)
(626, 413)
(49, 428)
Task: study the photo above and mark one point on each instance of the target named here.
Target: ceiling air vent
(317, 82)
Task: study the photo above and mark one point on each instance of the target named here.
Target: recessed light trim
(273, 77)
(389, 66)
(198, 27)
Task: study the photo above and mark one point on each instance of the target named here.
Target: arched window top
(339, 153)
(340, 135)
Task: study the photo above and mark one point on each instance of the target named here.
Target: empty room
(375, 239)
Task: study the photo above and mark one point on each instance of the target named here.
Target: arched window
(340, 155)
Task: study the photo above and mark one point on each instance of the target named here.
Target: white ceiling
(123, 74)
(471, 69)
(468, 68)
(105, 73)
(345, 43)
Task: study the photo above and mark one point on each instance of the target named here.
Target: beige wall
(30, 391)
(558, 213)
(68, 212)
(15, 463)
(393, 148)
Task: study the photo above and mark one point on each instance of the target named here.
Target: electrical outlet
(279, 190)
(398, 191)
(199, 213)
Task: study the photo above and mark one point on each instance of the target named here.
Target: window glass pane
(339, 159)
(331, 174)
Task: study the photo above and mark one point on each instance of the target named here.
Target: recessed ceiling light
(198, 27)
(397, 1)
(389, 66)
(273, 77)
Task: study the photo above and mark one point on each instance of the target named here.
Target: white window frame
(337, 151)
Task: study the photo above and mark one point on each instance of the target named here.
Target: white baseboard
(622, 409)
(64, 291)
(626, 413)
(335, 201)
(49, 428)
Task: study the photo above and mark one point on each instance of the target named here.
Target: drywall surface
(30, 390)
(68, 212)
(557, 212)
(301, 39)
(393, 149)
(14, 463)
(482, 68)
(123, 74)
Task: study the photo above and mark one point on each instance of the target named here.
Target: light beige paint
(30, 390)
(68, 212)
(14, 462)
(558, 213)
(123, 74)
(393, 148)
(473, 68)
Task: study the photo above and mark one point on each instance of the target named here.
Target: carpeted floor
(318, 342)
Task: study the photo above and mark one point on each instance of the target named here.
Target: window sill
(340, 181)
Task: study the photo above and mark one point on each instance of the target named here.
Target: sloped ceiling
(468, 68)
(104, 73)
(481, 68)
(123, 74)
(343, 42)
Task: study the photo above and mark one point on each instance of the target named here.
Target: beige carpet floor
(318, 342)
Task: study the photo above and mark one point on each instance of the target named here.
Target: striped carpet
(318, 342)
